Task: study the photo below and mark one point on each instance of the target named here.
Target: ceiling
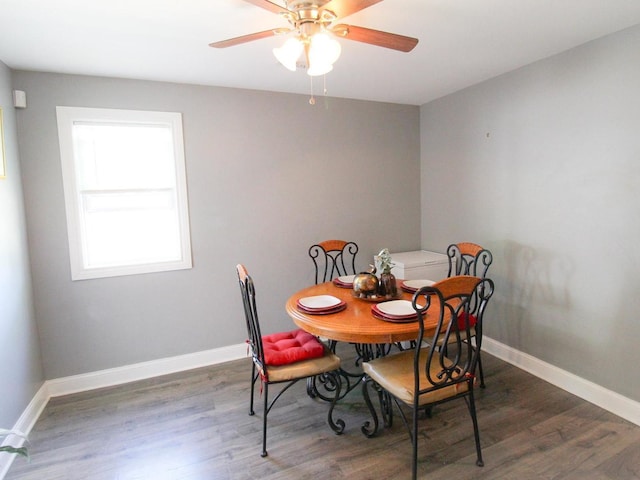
(462, 42)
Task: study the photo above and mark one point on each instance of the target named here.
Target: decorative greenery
(11, 449)
(385, 260)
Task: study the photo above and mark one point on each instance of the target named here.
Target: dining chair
(286, 358)
(333, 258)
(468, 258)
(425, 376)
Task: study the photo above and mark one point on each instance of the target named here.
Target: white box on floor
(420, 265)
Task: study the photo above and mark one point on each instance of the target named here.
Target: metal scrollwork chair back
(425, 376)
(333, 258)
(468, 259)
(286, 358)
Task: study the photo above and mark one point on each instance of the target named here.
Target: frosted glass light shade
(289, 53)
(323, 52)
(319, 69)
(324, 49)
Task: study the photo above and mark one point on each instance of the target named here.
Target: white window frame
(67, 117)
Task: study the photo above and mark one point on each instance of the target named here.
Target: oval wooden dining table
(355, 323)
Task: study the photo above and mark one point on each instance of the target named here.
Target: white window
(125, 191)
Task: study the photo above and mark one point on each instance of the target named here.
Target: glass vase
(388, 286)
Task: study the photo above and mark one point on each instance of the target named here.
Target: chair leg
(264, 419)
(414, 444)
(476, 432)
(253, 383)
(480, 370)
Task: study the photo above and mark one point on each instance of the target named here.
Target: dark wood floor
(194, 425)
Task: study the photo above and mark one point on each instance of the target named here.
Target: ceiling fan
(313, 22)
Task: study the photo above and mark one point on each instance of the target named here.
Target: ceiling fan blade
(267, 5)
(343, 8)
(230, 42)
(376, 37)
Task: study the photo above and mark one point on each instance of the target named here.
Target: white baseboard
(611, 401)
(24, 424)
(144, 370)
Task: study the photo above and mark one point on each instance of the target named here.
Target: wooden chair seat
(395, 374)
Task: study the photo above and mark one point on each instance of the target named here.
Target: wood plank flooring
(194, 425)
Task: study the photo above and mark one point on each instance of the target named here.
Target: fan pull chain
(312, 100)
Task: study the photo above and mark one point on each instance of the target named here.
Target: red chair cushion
(472, 321)
(289, 347)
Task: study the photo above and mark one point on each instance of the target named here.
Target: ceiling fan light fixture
(315, 32)
(289, 53)
(324, 49)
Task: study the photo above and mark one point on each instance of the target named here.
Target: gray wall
(268, 176)
(542, 165)
(20, 365)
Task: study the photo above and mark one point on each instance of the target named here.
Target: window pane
(131, 237)
(123, 156)
(130, 228)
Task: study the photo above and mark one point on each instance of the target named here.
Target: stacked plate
(395, 311)
(321, 304)
(346, 281)
(412, 286)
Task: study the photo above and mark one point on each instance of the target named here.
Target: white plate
(319, 301)
(397, 307)
(418, 284)
(347, 278)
